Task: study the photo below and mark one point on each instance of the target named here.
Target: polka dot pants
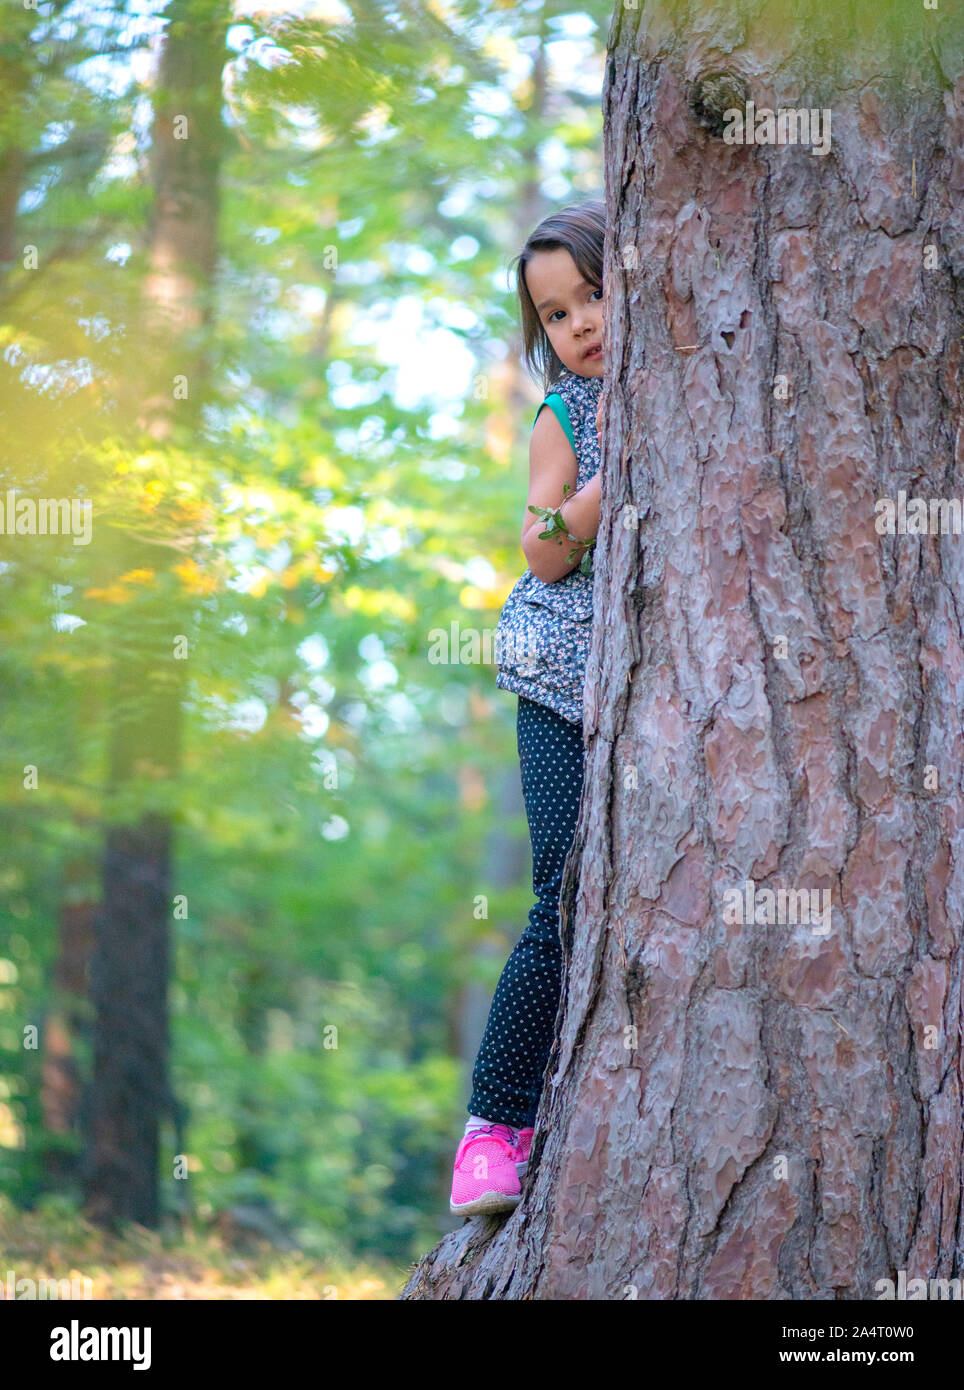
(507, 1078)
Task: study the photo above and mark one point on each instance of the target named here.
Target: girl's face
(569, 309)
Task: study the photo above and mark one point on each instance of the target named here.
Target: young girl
(543, 641)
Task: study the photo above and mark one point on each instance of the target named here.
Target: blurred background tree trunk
(130, 1092)
(66, 1025)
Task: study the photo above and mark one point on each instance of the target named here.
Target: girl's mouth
(593, 351)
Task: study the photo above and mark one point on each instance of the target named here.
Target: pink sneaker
(485, 1178)
(523, 1148)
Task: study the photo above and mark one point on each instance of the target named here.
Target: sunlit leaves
(291, 549)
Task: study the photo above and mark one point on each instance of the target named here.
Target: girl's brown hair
(580, 230)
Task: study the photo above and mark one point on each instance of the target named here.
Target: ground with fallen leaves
(55, 1242)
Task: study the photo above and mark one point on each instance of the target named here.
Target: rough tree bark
(750, 1110)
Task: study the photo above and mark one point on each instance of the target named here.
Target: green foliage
(298, 540)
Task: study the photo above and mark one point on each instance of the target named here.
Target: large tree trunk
(750, 1110)
(130, 1091)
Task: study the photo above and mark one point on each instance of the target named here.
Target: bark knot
(713, 94)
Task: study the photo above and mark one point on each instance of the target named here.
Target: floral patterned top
(542, 639)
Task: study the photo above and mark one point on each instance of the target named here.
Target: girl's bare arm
(552, 463)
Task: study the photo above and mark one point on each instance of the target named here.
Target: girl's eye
(594, 293)
(554, 312)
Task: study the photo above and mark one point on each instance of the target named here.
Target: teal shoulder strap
(558, 407)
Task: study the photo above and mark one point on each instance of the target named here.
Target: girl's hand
(600, 410)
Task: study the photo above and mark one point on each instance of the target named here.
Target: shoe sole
(488, 1202)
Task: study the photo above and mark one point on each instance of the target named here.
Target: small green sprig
(556, 529)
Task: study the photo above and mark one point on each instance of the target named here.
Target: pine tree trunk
(764, 1109)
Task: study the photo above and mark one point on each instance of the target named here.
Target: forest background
(350, 856)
